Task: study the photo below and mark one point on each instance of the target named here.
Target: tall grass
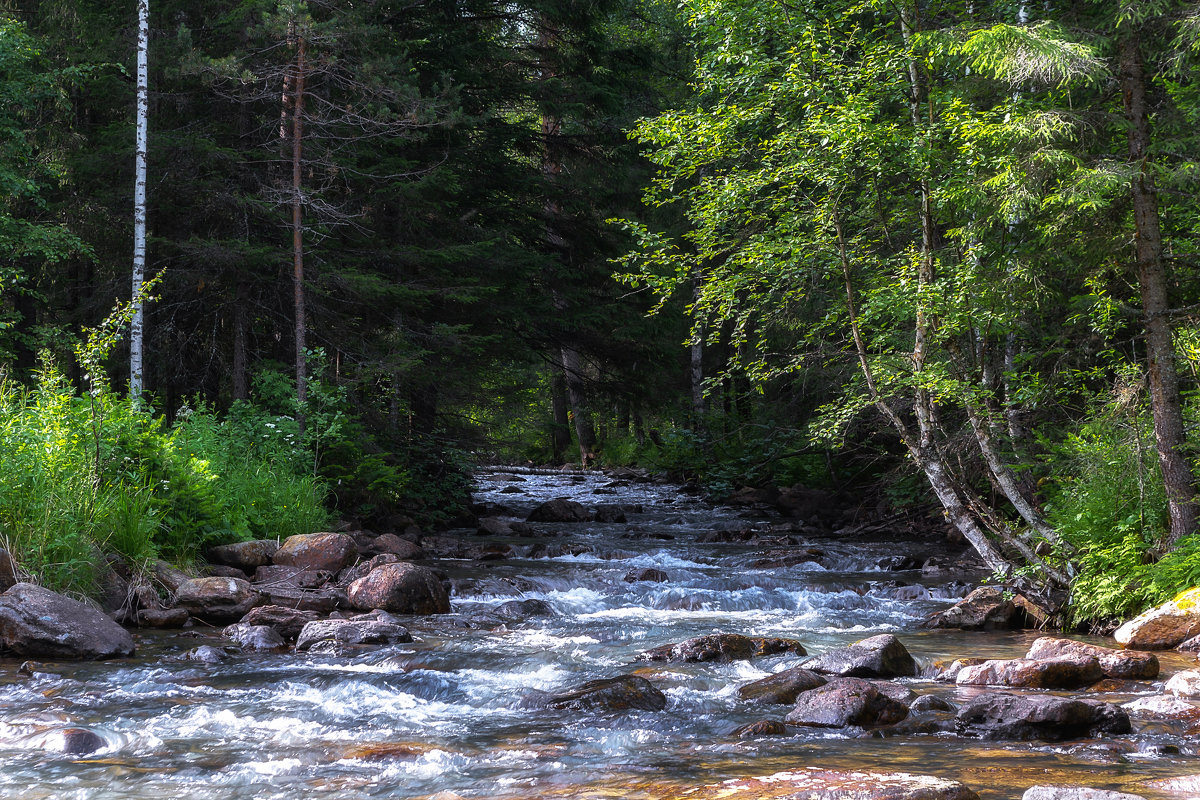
(86, 475)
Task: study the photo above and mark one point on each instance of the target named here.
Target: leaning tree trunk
(1165, 402)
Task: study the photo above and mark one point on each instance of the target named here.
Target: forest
(939, 257)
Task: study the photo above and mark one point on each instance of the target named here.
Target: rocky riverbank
(410, 605)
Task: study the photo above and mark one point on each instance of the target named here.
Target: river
(446, 713)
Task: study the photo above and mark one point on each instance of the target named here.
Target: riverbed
(449, 712)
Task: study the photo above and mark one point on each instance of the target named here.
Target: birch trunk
(137, 326)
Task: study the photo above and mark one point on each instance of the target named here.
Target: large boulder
(275, 576)
(1045, 717)
(560, 510)
(882, 656)
(782, 688)
(287, 622)
(402, 588)
(812, 783)
(38, 623)
(623, 693)
(1075, 793)
(843, 702)
(987, 608)
(331, 552)
(1184, 684)
(246, 556)
(721, 647)
(366, 629)
(1061, 672)
(1164, 627)
(1119, 664)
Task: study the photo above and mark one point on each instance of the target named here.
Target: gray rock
(246, 556)
(218, 600)
(1075, 793)
(255, 638)
(36, 622)
(721, 647)
(782, 688)
(402, 588)
(364, 630)
(843, 702)
(1045, 717)
(882, 656)
(560, 510)
(623, 693)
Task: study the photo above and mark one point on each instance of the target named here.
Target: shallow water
(444, 713)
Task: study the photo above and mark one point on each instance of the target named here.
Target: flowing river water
(445, 713)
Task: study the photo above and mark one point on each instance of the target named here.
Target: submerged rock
(73, 741)
(782, 688)
(367, 629)
(765, 727)
(623, 693)
(36, 622)
(1044, 717)
(721, 647)
(402, 588)
(287, 622)
(560, 510)
(825, 784)
(882, 656)
(843, 702)
(1075, 793)
(1120, 664)
(1164, 627)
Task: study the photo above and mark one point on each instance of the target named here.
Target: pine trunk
(298, 226)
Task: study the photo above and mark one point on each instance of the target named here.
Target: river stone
(944, 674)
(1062, 672)
(218, 599)
(246, 556)
(1184, 684)
(162, 617)
(722, 648)
(362, 569)
(1161, 707)
(287, 622)
(1075, 793)
(394, 545)
(1120, 664)
(512, 612)
(987, 608)
(73, 741)
(1164, 627)
(764, 727)
(1186, 787)
(362, 630)
(331, 552)
(843, 702)
(36, 622)
(930, 702)
(1047, 717)
(560, 510)
(623, 693)
(403, 588)
(255, 638)
(610, 513)
(318, 601)
(824, 784)
(882, 656)
(649, 574)
(168, 576)
(782, 688)
(8, 570)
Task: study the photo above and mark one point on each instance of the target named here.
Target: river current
(445, 713)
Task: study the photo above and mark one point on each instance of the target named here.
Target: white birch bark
(137, 327)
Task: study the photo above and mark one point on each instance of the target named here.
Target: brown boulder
(1063, 672)
(274, 576)
(782, 688)
(843, 702)
(331, 552)
(218, 599)
(764, 727)
(36, 622)
(402, 588)
(648, 574)
(623, 693)
(1165, 626)
(1121, 664)
(246, 556)
(811, 783)
(721, 647)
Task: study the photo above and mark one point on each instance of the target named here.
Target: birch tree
(137, 325)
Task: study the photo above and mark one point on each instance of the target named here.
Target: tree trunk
(1165, 401)
(696, 365)
(560, 432)
(241, 321)
(577, 396)
(137, 326)
(298, 227)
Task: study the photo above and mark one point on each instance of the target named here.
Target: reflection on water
(444, 713)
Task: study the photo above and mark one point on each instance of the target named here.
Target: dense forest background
(937, 255)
